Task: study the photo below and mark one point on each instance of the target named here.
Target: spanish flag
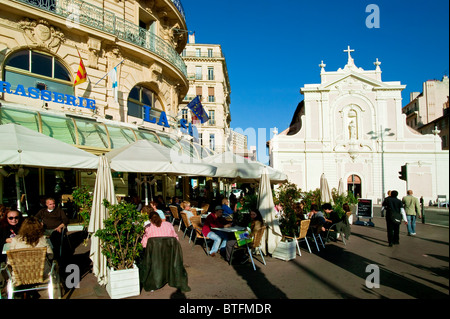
(81, 74)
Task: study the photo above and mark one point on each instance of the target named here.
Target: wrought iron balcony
(78, 11)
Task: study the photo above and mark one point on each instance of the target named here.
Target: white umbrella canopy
(267, 208)
(103, 189)
(341, 189)
(230, 165)
(144, 156)
(325, 191)
(21, 146)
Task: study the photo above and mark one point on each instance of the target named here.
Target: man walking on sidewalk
(394, 215)
(412, 209)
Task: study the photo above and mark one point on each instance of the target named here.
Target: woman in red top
(216, 220)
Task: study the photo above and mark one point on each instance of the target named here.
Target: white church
(351, 127)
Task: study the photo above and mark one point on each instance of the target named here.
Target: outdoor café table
(234, 229)
(6, 247)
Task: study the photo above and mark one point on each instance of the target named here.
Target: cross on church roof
(350, 59)
(349, 50)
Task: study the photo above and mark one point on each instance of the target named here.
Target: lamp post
(380, 135)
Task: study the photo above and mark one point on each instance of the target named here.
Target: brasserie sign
(70, 100)
(48, 96)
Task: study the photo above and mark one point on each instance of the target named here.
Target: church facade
(350, 126)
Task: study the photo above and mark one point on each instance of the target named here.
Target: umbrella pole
(19, 204)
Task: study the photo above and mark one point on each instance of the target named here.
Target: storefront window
(92, 134)
(120, 136)
(60, 128)
(27, 119)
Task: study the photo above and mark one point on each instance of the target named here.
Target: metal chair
(28, 272)
(254, 246)
(303, 231)
(314, 232)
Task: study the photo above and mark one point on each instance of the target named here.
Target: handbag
(396, 217)
(243, 237)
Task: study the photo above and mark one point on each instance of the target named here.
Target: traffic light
(403, 173)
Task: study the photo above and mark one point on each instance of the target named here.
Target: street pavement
(418, 268)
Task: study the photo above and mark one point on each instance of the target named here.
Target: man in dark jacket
(54, 220)
(392, 206)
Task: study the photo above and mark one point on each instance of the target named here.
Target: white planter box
(286, 250)
(123, 283)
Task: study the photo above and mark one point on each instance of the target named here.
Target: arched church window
(144, 103)
(37, 69)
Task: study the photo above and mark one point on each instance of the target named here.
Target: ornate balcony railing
(81, 12)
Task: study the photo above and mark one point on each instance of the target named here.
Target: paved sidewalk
(417, 268)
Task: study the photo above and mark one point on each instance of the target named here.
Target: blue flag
(196, 107)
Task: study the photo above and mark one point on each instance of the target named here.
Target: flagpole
(108, 72)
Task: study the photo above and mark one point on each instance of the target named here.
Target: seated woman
(31, 235)
(157, 228)
(255, 225)
(9, 228)
(187, 210)
(152, 208)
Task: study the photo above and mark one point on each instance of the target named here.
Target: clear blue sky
(273, 48)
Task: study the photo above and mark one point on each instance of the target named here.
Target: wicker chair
(197, 227)
(254, 246)
(28, 272)
(205, 208)
(187, 226)
(304, 226)
(176, 216)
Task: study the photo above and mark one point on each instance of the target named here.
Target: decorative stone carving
(42, 34)
(156, 72)
(95, 46)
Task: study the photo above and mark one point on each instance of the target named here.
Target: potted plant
(82, 198)
(287, 195)
(120, 244)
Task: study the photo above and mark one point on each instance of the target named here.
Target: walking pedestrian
(412, 210)
(394, 216)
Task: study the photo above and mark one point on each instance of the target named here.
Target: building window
(210, 73)
(212, 142)
(212, 117)
(198, 72)
(184, 114)
(141, 96)
(36, 69)
(211, 95)
(199, 92)
(210, 53)
(200, 138)
(198, 52)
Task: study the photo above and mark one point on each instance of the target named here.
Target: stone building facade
(350, 126)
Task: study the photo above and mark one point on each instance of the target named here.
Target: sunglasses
(14, 217)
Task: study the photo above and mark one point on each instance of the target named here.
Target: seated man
(216, 220)
(318, 220)
(54, 220)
